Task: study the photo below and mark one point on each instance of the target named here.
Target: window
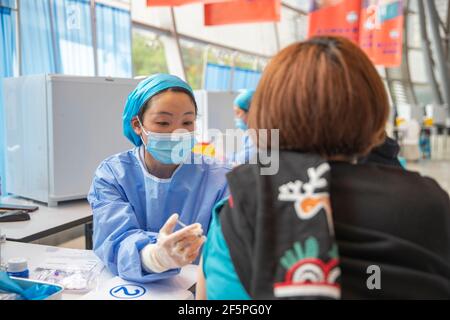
(193, 55)
(148, 54)
(8, 63)
(113, 41)
(57, 37)
(73, 32)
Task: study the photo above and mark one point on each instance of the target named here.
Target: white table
(48, 220)
(35, 255)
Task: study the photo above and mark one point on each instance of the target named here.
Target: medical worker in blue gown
(241, 108)
(137, 196)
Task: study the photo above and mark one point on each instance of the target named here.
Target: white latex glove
(173, 249)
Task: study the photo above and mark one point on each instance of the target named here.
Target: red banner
(381, 31)
(335, 17)
(242, 11)
(175, 3)
(376, 25)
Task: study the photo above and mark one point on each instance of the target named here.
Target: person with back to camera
(326, 226)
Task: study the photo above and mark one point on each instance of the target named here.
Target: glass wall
(58, 36)
(148, 54)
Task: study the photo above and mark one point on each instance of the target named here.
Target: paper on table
(118, 289)
(175, 288)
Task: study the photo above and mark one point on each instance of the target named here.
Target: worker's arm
(118, 237)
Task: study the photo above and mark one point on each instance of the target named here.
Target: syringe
(183, 225)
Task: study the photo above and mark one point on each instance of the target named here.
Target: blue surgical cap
(144, 91)
(244, 99)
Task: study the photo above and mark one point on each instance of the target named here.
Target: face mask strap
(143, 129)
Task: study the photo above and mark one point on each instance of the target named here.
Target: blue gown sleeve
(222, 281)
(118, 237)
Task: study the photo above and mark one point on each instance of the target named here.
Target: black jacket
(386, 153)
(383, 216)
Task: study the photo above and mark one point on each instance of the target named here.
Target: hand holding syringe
(174, 249)
(183, 225)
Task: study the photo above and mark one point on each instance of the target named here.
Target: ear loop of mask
(143, 129)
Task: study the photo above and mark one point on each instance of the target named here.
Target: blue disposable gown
(130, 206)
